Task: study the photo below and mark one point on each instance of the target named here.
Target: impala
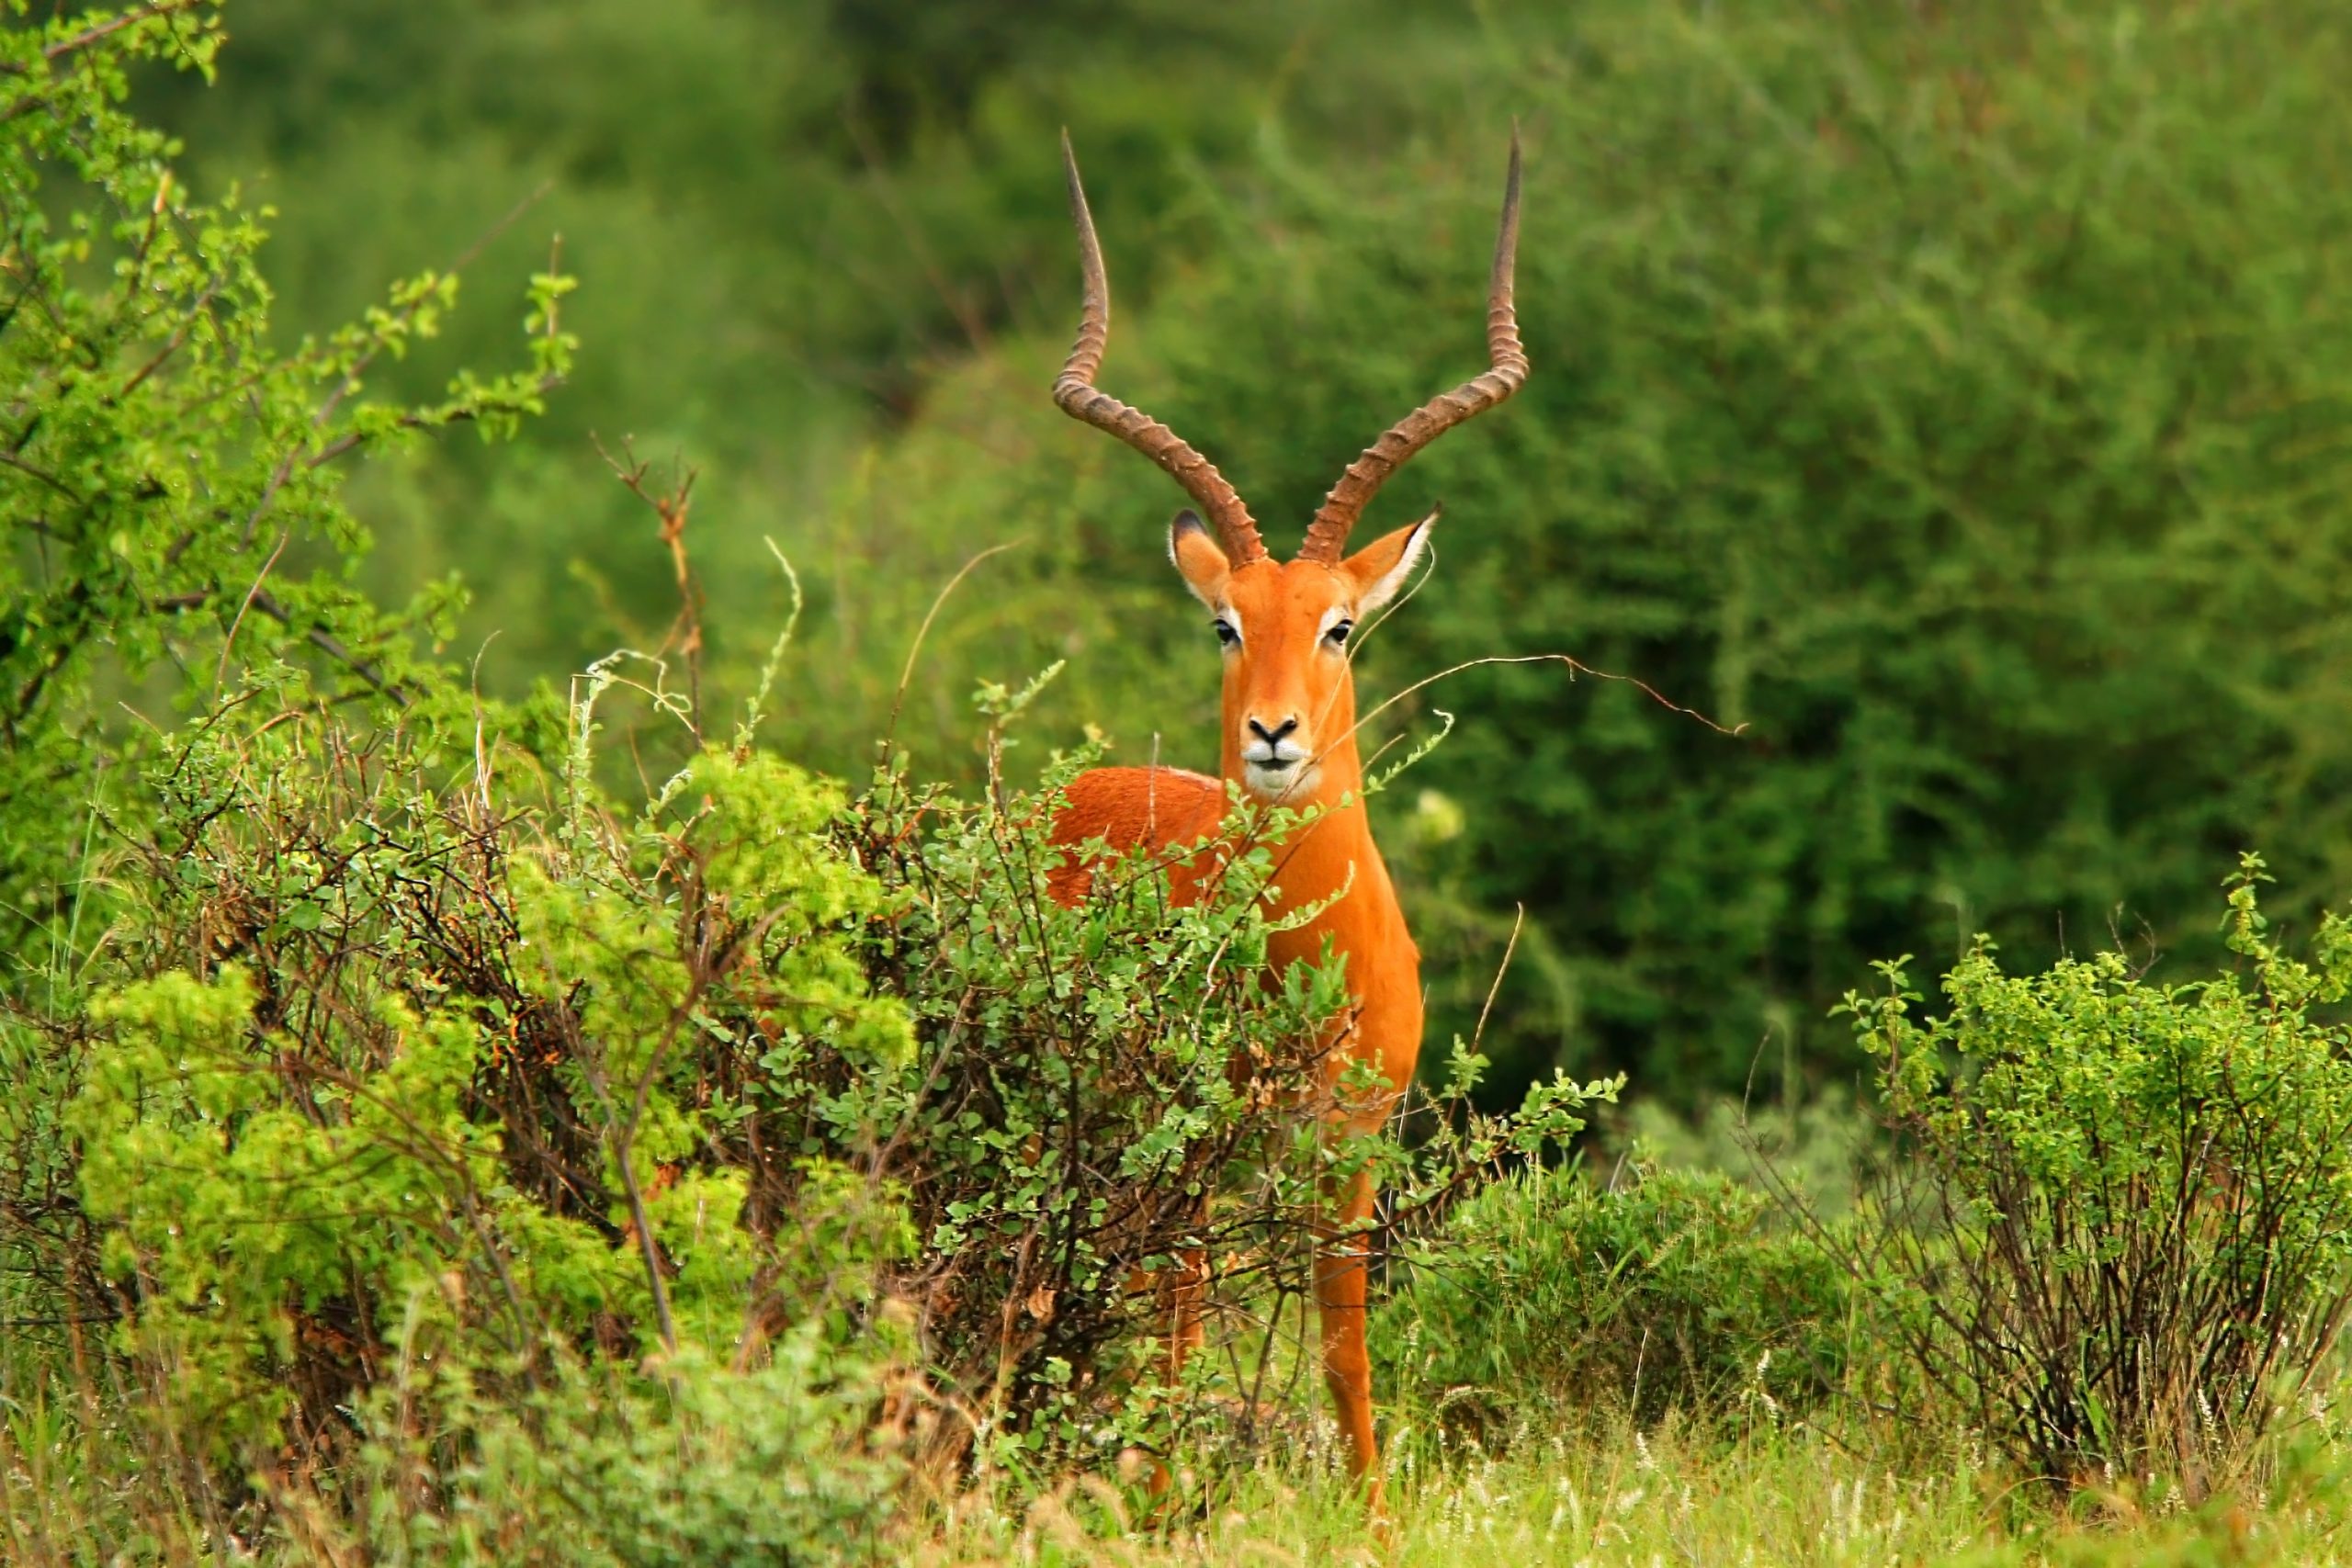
(1289, 737)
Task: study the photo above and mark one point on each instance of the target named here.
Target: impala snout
(1274, 753)
(1266, 743)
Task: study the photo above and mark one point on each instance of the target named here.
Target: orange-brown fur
(1133, 809)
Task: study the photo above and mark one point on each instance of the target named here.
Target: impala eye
(1226, 633)
(1338, 634)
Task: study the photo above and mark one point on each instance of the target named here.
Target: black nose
(1270, 736)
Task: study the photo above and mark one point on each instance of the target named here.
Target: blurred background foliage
(1957, 400)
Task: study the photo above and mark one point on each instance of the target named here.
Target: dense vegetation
(476, 1095)
(1953, 398)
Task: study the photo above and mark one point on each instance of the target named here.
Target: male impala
(1289, 723)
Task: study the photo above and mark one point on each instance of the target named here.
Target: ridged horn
(1075, 392)
(1327, 535)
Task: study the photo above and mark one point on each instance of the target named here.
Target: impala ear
(1202, 564)
(1382, 568)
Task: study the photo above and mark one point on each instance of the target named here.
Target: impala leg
(1341, 1271)
(1181, 1291)
(1179, 1294)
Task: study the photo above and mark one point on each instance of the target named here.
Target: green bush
(707, 1465)
(366, 1039)
(172, 496)
(410, 1157)
(2127, 1207)
(1662, 1289)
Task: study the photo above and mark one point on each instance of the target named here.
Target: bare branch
(671, 507)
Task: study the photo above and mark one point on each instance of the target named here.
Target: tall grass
(86, 1479)
(1618, 1495)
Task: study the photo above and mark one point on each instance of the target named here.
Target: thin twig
(1516, 920)
(906, 674)
(672, 508)
(229, 643)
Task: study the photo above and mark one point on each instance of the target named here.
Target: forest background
(1954, 400)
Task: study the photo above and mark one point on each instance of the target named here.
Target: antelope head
(1287, 628)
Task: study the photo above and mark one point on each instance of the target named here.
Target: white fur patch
(1391, 581)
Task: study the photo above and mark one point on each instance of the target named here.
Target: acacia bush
(374, 1072)
(366, 1206)
(2125, 1236)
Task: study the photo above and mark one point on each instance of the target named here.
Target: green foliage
(169, 477)
(2128, 1206)
(1815, 1156)
(709, 1464)
(244, 1209)
(399, 1154)
(689, 1472)
(1662, 1289)
(400, 1108)
(789, 215)
(375, 1048)
(1088, 1076)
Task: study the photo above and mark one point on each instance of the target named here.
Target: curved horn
(1074, 392)
(1326, 537)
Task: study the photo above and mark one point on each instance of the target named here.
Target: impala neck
(1335, 850)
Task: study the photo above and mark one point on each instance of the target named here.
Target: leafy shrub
(1663, 1289)
(1093, 1077)
(400, 1160)
(707, 1464)
(171, 493)
(2129, 1243)
(371, 1039)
